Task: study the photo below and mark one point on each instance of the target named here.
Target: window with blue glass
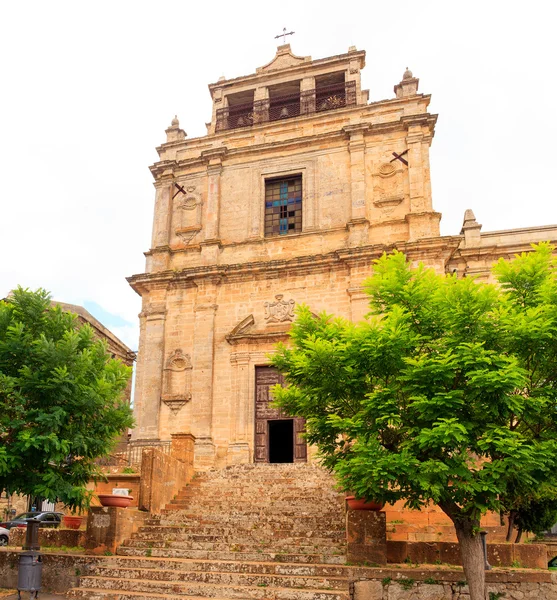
(283, 206)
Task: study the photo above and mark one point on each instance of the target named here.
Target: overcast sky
(88, 88)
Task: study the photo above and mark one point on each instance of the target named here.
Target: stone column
(238, 447)
(203, 369)
(358, 225)
(149, 377)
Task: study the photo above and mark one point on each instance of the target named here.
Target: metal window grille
(283, 206)
(323, 98)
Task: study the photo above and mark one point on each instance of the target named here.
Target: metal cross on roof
(284, 34)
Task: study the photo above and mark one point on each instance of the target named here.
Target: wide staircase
(268, 531)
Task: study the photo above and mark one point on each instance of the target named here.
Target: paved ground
(12, 595)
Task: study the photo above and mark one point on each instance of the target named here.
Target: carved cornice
(259, 337)
(303, 264)
(214, 155)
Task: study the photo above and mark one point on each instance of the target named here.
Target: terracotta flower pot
(115, 500)
(354, 504)
(72, 522)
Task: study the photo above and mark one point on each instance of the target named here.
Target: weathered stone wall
(531, 556)
(163, 476)
(431, 524)
(421, 584)
(60, 571)
(108, 527)
(49, 537)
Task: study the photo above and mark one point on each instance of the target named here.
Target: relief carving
(279, 311)
(388, 187)
(187, 213)
(177, 380)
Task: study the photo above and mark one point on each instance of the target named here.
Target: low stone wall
(108, 527)
(423, 584)
(164, 475)
(531, 556)
(60, 571)
(49, 537)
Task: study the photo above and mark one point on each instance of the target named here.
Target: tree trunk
(472, 555)
(518, 536)
(512, 515)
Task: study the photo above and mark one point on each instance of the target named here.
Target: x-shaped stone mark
(399, 157)
(180, 189)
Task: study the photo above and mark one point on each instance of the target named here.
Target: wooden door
(265, 378)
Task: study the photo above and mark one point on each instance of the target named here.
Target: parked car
(4, 536)
(47, 519)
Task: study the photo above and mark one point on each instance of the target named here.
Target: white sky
(87, 89)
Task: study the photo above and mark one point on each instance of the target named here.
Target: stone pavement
(12, 595)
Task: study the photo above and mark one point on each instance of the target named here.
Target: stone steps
(336, 557)
(249, 532)
(235, 546)
(225, 578)
(254, 567)
(243, 536)
(178, 588)
(280, 522)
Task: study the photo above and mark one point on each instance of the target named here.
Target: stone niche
(177, 380)
(187, 213)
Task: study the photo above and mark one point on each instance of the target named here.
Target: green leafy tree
(61, 400)
(445, 394)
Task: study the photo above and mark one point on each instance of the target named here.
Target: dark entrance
(278, 437)
(281, 441)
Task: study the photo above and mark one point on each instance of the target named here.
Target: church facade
(299, 184)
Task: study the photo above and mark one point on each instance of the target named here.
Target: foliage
(446, 393)
(61, 398)
(538, 511)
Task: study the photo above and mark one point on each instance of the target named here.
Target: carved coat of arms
(279, 311)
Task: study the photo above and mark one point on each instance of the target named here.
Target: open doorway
(281, 441)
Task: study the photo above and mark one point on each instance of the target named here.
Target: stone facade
(220, 285)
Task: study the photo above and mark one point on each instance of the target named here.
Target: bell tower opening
(281, 441)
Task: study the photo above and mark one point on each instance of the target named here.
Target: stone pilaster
(148, 386)
(163, 212)
(213, 159)
(422, 220)
(203, 366)
(238, 447)
(358, 225)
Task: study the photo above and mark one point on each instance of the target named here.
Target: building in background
(298, 186)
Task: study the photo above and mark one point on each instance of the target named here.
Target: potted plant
(362, 504)
(72, 521)
(115, 500)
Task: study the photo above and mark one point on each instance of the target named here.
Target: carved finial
(408, 86)
(469, 217)
(174, 133)
(470, 229)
